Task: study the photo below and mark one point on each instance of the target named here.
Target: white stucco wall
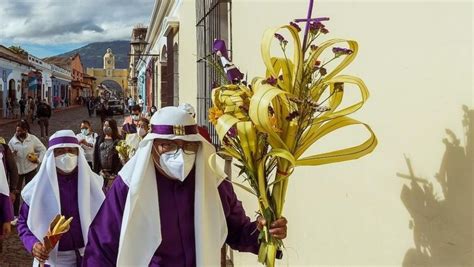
(416, 59)
(187, 52)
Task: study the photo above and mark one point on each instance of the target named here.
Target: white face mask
(66, 162)
(141, 132)
(177, 165)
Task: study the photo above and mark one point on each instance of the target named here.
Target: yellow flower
(214, 114)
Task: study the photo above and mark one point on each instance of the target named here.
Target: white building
(56, 81)
(13, 77)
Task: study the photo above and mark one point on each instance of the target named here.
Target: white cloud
(71, 21)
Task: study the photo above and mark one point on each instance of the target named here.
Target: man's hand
(278, 228)
(6, 230)
(39, 252)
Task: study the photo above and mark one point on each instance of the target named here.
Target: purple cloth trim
(63, 140)
(170, 129)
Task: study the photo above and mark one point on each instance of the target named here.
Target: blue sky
(50, 27)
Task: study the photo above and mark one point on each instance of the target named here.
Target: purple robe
(71, 240)
(176, 200)
(6, 209)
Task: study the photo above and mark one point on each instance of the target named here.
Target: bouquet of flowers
(268, 125)
(124, 151)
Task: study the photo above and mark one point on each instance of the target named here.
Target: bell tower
(109, 62)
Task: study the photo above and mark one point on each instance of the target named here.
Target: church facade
(113, 80)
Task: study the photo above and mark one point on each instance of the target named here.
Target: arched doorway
(11, 89)
(113, 87)
(62, 95)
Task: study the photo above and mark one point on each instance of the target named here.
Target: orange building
(80, 86)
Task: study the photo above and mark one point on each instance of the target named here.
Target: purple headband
(174, 129)
(63, 140)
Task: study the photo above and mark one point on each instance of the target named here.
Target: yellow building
(109, 78)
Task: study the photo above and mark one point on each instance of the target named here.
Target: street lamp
(138, 48)
(138, 45)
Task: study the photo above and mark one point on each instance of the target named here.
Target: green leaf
(246, 188)
(262, 252)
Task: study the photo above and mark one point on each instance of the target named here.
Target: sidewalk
(4, 121)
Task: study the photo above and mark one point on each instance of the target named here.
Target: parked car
(115, 106)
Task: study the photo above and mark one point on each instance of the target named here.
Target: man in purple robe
(168, 207)
(64, 185)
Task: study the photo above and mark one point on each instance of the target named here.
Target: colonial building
(75, 66)
(53, 82)
(14, 70)
(114, 79)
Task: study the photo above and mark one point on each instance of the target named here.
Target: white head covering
(44, 188)
(140, 233)
(188, 108)
(4, 190)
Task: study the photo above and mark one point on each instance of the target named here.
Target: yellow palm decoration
(268, 126)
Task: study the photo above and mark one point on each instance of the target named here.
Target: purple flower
(292, 115)
(338, 51)
(316, 26)
(323, 71)
(232, 132)
(271, 81)
(279, 37)
(296, 26)
(317, 63)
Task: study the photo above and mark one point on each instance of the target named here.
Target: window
(213, 22)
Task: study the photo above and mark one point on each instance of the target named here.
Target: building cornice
(170, 24)
(161, 10)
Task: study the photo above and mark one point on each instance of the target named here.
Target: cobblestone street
(13, 252)
(62, 119)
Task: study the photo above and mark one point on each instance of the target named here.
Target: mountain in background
(93, 53)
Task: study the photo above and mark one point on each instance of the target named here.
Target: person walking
(140, 102)
(170, 207)
(22, 103)
(106, 159)
(87, 138)
(90, 106)
(64, 185)
(131, 103)
(43, 113)
(30, 109)
(8, 108)
(28, 152)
